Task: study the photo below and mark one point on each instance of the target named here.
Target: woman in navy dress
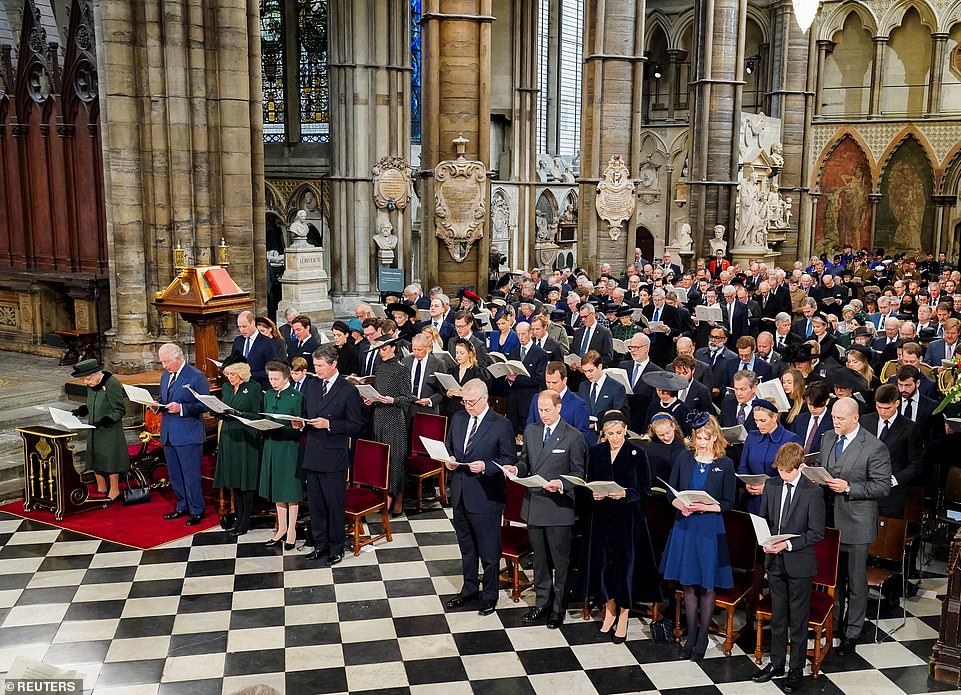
(696, 555)
(761, 447)
(504, 339)
(618, 565)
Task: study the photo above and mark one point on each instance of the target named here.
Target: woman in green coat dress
(279, 475)
(238, 449)
(106, 446)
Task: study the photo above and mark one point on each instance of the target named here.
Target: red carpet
(140, 526)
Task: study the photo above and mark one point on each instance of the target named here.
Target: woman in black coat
(347, 359)
(666, 443)
(617, 561)
(466, 357)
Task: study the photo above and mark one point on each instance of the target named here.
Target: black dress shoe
(487, 607)
(195, 519)
(272, 542)
(555, 621)
(685, 652)
(176, 514)
(767, 673)
(460, 600)
(335, 559)
(847, 647)
(237, 532)
(535, 614)
(793, 681)
(316, 554)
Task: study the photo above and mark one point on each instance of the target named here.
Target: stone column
(180, 115)
(877, 76)
(874, 199)
(674, 57)
(524, 124)
(938, 51)
(942, 225)
(611, 120)
(789, 101)
(456, 89)
(370, 119)
(720, 27)
(824, 47)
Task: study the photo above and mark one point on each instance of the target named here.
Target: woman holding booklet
(617, 563)
(467, 368)
(238, 446)
(504, 339)
(760, 448)
(697, 555)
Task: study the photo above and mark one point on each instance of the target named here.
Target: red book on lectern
(221, 282)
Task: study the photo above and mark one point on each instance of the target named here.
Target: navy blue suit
(182, 435)
(478, 498)
(699, 398)
(610, 396)
(573, 412)
(803, 421)
(262, 351)
(936, 352)
(521, 393)
(446, 328)
(740, 326)
(761, 368)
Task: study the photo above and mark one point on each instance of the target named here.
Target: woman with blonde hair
(696, 555)
(794, 388)
(857, 359)
(465, 355)
(665, 443)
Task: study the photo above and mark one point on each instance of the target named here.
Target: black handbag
(662, 630)
(134, 492)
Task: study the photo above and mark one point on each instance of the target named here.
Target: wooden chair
(367, 491)
(822, 601)
(515, 543)
(950, 499)
(422, 467)
(889, 546)
(742, 550)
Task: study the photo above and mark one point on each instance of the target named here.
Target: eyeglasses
(471, 404)
(634, 347)
(718, 337)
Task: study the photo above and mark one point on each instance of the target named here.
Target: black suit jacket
(803, 421)
(643, 394)
(662, 345)
(906, 446)
(699, 398)
(327, 450)
(931, 425)
(601, 341)
(429, 386)
(262, 351)
(493, 443)
(306, 351)
(740, 321)
(805, 518)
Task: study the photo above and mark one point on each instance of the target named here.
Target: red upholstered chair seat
(134, 449)
(421, 465)
(360, 499)
(515, 541)
(208, 465)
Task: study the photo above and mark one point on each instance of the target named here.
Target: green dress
(238, 449)
(106, 445)
(279, 468)
(625, 333)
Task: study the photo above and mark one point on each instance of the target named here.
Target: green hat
(86, 368)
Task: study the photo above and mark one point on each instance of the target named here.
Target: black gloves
(79, 412)
(105, 421)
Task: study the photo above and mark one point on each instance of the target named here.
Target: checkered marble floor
(209, 614)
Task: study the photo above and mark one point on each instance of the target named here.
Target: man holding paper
(552, 448)
(790, 505)
(484, 440)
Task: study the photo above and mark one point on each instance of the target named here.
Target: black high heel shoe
(273, 542)
(700, 647)
(685, 653)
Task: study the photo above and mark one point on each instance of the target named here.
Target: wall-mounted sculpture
(615, 199)
(392, 183)
(460, 192)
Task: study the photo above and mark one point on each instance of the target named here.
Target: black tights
(698, 601)
(244, 506)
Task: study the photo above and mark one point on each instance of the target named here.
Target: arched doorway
(644, 240)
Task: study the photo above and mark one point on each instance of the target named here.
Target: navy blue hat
(558, 315)
(762, 403)
(697, 419)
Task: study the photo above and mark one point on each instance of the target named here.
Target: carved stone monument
(459, 202)
(615, 198)
(299, 229)
(392, 183)
(386, 242)
(305, 283)
(683, 246)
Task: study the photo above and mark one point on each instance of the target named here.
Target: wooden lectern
(50, 480)
(945, 663)
(203, 295)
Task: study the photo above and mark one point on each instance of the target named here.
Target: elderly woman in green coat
(106, 446)
(238, 447)
(280, 480)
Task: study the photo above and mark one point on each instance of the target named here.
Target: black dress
(347, 360)
(617, 560)
(389, 423)
(661, 457)
(456, 403)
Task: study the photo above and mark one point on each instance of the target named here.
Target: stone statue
(718, 242)
(685, 242)
(751, 210)
(386, 242)
(777, 155)
(299, 229)
(543, 232)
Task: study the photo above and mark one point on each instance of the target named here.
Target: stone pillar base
(746, 255)
(306, 284)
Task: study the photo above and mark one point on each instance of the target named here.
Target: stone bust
(685, 242)
(386, 242)
(299, 229)
(718, 242)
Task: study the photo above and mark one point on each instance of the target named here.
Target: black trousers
(479, 539)
(790, 611)
(244, 507)
(552, 547)
(326, 497)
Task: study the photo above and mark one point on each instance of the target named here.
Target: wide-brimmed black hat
(558, 315)
(404, 308)
(666, 381)
(624, 310)
(845, 378)
(393, 293)
(383, 342)
(797, 353)
(86, 368)
(234, 357)
(865, 352)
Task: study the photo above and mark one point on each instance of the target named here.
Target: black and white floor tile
(209, 614)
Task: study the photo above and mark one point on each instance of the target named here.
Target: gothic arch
(843, 212)
(892, 19)
(950, 180)
(896, 142)
(759, 16)
(841, 136)
(274, 201)
(950, 17)
(683, 22)
(835, 21)
(295, 202)
(657, 20)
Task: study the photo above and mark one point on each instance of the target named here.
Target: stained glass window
(416, 61)
(272, 69)
(312, 71)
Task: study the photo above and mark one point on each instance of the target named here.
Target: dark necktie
(885, 430)
(369, 369)
(637, 375)
(547, 434)
(586, 342)
(741, 413)
(839, 447)
(298, 384)
(809, 444)
(470, 437)
(780, 344)
(415, 387)
(523, 353)
(594, 394)
(785, 508)
(909, 409)
(323, 388)
(247, 346)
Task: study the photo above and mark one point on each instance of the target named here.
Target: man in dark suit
(662, 341)
(734, 315)
(783, 335)
(367, 357)
(860, 467)
(905, 445)
(287, 330)
(599, 391)
(803, 327)
(334, 414)
(305, 344)
(811, 424)
(702, 370)
(640, 364)
(738, 408)
(439, 313)
(769, 306)
(747, 359)
(256, 349)
(945, 348)
(791, 504)
(552, 448)
(482, 440)
(716, 356)
(591, 336)
(573, 408)
(422, 365)
(464, 328)
(916, 407)
(555, 351)
(521, 389)
(182, 431)
(696, 396)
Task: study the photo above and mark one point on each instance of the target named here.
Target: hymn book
(763, 533)
(734, 435)
(620, 376)
(816, 474)
(531, 481)
(509, 367)
(603, 487)
(437, 450)
(703, 312)
(689, 497)
(752, 479)
(140, 395)
(447, 381)
(65, 418)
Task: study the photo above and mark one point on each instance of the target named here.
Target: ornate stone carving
(684, 241)
(718, 241)
(299, 229)
(615, 199)
(647, 185)
(8, 315)
(392, 183)
(459, 209)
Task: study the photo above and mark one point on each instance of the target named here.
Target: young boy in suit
(790, 503)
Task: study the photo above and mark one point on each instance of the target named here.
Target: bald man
(861, 469)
